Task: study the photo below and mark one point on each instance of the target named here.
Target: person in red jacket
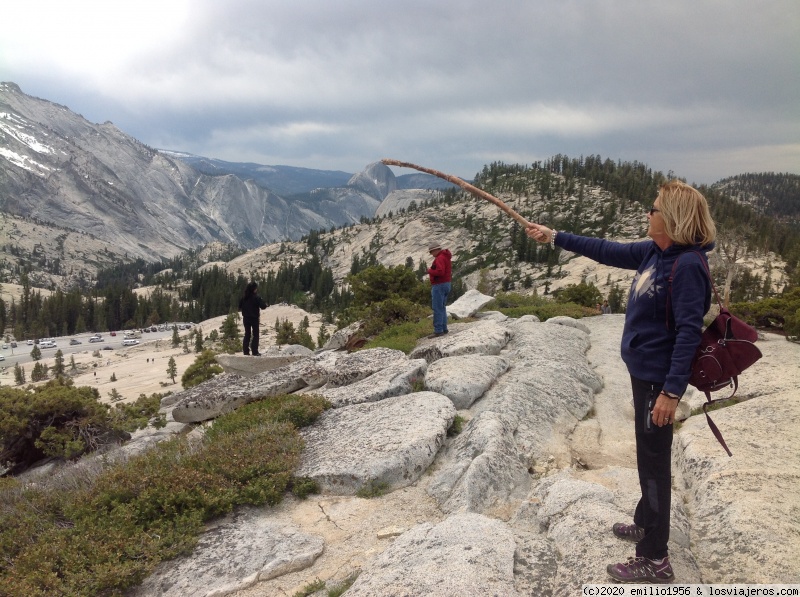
(440, 273)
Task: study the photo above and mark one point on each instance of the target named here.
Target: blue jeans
(439, 294)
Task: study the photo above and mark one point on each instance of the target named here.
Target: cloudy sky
(706, 89)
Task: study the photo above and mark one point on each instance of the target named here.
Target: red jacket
(441, 269)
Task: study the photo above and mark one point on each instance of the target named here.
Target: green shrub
(785, 306)
(106, 534)
(378, 283)
(205, 367)
(403, 336)
(340, 588)
(373, 489)
(583, 294)
(310, 588)
(302, 487)
(456, 427)
(71, 419)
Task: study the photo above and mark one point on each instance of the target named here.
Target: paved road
(22, 353)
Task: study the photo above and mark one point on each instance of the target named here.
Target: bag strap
(672, 275)
(714, 429)
(712, 425)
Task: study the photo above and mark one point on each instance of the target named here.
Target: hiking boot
(639, 570)
(629, 532)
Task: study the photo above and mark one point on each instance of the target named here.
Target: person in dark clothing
(659, 340)
(249, 305)
(440, 273)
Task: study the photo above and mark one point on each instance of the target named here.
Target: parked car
(96, 338)
(13, 345)
(74, 341)
(113, 333)
(107, 348)
(47, 344)
(130, 342)
(30, 342)
(2, 358)
(5, 346)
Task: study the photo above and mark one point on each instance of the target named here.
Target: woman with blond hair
(663, 324)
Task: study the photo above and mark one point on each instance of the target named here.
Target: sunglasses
(653, 210)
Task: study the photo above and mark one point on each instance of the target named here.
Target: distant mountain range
(77, 196)
(58, 168)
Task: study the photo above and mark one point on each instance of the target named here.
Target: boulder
(485, 337)
(396, 379)
(464, 379)
(241, 550)
(340, 338)
(746, 508)
(569, 322)
(466, 554)
(521, 420)
(386, 444)
(271, 358)
(225, 393)
(468, 304)
(355, 366)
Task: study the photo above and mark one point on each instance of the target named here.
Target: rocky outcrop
(466, 554)
(255, 547)
(485, 337)
(520, 512)
(386, 444)
(468, 304)
(269, 359)
(466, 378)
(745, 509)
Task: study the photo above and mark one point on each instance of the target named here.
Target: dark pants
(250, 336)
(654, 462)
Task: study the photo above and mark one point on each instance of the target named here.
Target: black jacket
(249, 306)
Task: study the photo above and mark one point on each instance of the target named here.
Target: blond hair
(687, 219)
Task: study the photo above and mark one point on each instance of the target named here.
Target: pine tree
(198, 340)
(230, 327)
(19, 374)
(322, 336)
(58, 367)
(36, 353)
(172, 369)
(176, 341)
(38, 373)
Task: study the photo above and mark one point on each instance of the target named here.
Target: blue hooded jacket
(658, 343)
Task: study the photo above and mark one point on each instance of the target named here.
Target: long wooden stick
(464, 185)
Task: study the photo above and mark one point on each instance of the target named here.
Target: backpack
(726, 349)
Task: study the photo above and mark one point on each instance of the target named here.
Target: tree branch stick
(464, 185)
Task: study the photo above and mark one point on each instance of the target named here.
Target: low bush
(205, 367)
(516, 305)
(107, 533)
(402, 336)
(60, 420)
